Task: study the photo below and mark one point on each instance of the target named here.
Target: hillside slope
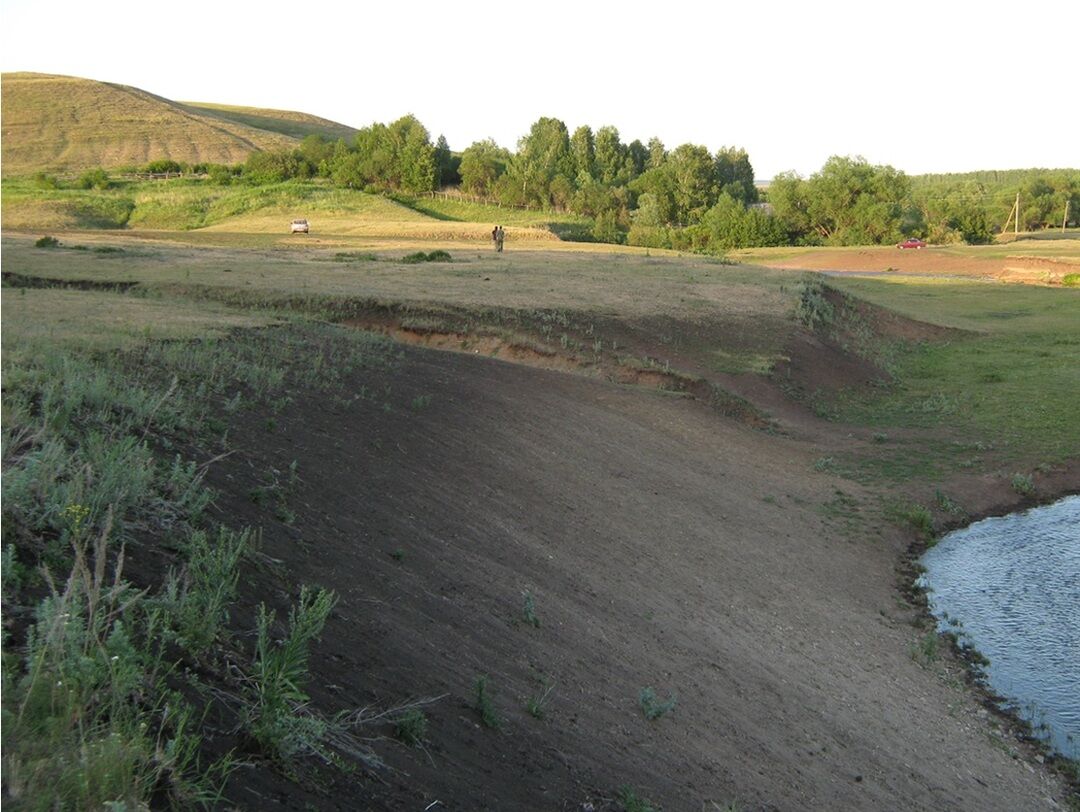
(64, 123)
(285, 122)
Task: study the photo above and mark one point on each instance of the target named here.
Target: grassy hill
(286, 122)
(63, 123)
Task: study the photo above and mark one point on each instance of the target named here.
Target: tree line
(686, 198)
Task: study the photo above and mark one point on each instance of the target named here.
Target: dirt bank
(934, 262)
(661, 544)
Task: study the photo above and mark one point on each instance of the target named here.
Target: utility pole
(1013, 212)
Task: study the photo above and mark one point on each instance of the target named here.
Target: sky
(943, 86)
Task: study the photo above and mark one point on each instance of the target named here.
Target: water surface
(1010, 586)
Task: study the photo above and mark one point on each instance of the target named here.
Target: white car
(299, 227)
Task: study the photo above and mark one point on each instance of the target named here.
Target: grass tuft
(652, 707)
(488, 716)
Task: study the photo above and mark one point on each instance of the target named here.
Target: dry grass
(286, 122)
(104, 321)
(115, 125)
(550, 275)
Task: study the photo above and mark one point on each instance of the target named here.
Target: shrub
(1071, 280)
(162, 165)
(420, 256)
(652, 707)
(488, 716)
(1023, 484)
(813, 309)
(411, 727)
(925, 651)
(632, 803)
(279, 674)
(528, 611)
(43, 181)
(535, 704)
(47, 242)
(198, 599)
(93, 179)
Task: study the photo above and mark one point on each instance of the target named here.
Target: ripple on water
(1014, 584)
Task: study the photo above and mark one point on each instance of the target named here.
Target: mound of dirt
(657, 545)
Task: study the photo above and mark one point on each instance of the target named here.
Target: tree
(274, 167)
(610, 156)
(542, 154)
(850, 202)
(481, 165)
(659, 184)
(735, 175)
(583, 149)
(657, 154)
(787, 195)
(695, 183)
(636, 158)
(413, 168)
(730, 224)
(446, 168)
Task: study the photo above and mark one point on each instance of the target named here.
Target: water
(1013, 585)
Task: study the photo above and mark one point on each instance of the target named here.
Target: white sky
(926, 86)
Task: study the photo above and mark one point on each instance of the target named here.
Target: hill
(286, 122)
(63, 123)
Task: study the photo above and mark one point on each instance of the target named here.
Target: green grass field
(1012, 381)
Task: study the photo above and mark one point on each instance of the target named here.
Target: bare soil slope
(989, 262)
(663, 546)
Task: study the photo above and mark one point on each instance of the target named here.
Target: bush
(43, 181)
(47, 242)
(411, 727)
(162, 165)
(94, 179)
(483, 706)
(280, 673)
(1023, 484)
(814, 309)
(420, 256)
(1071, 280)
(652, 707)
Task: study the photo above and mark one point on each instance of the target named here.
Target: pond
(1010, 587)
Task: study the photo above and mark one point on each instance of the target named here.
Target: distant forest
(685, 198)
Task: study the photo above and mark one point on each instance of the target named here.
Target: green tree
(695, 182)
(274, 167)
(583, 149)
(850, 202)
(610, 156)
(481, 165)
(542, 155)
(446, 167)
(657, 154)
(735, 175)
(637, 156)
(659, 184)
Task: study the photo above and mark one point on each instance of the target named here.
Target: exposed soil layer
(935, 262)
(661, 545)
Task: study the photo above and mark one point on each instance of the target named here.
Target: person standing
(500, 235)
(495, 238)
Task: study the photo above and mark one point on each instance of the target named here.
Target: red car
(911, 242)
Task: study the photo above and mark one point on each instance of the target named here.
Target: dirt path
(662, 546)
